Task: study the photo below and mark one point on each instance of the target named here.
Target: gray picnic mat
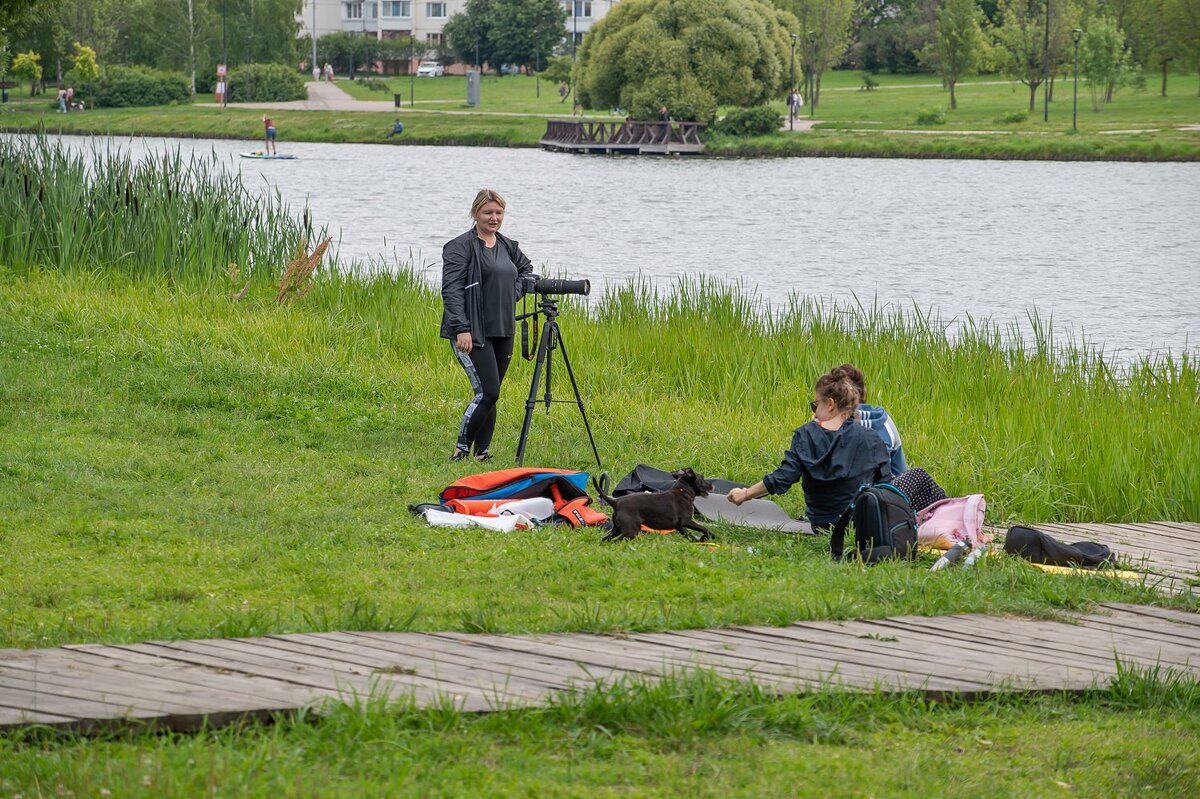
(759, 513)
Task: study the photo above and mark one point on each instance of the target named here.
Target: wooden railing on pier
(633, 138)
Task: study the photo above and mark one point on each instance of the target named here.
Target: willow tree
(688, 55)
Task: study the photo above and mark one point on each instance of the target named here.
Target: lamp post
(412, 72)
(537, 62)
(313, 33)
(1076, 35)
(792, 87)
(812, 77)
(1046, 67)
(574, 28)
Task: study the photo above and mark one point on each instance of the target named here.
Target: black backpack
(885, 526)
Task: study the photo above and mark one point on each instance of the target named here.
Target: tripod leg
(543, 355)
(562, 347)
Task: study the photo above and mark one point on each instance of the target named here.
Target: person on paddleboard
(269, 134)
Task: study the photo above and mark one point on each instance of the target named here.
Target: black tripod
(551, 339)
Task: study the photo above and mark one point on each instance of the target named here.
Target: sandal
(460, 454)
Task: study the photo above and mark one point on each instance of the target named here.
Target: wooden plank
(92, 687)
(795, 641)
(496, 684)
(348, 682)
(11, 717)
(1161, 544)
(50, 698)
(625, 655)
(1032, 635)
(1104, 642)
(964, 652)
(991, 656)
(1017, 640)
(202, 677)
(952, 657)
(668, 660)
(318, 684)
(1170, 614)
(880, 673)
(439, 651)
(153, 684)
(1153, 631)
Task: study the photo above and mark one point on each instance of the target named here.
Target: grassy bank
(879, 123)
(688, 737)
(179, 464)
(175, 463)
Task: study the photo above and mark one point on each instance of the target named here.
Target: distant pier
(627, 138)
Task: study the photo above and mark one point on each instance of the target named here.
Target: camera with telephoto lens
(553, 286)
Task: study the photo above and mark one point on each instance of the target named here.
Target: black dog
(670, 510)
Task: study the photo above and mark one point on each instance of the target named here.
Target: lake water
(1108, 250)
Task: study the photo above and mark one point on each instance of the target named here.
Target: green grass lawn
(179, 465)
(175, 463)
(1137, 124)
(689, 737)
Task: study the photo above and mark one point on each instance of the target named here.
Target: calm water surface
(1108, 250)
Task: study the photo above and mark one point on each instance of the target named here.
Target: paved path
(184, 684)
(331, 97)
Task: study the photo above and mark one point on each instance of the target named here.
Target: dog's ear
(683, 474)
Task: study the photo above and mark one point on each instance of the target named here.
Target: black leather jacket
(462, 281)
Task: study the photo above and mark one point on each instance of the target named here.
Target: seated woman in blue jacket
(832, 456)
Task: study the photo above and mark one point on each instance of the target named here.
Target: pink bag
(948, 521)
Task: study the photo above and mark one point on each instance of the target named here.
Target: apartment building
(422, 19)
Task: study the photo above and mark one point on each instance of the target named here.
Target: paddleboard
(260, 154)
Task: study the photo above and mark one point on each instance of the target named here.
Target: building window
(582, 8)
(353, 10)
(435, 9)
(397, 8)
(434, 39)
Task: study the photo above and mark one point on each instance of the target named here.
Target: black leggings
(485, 368)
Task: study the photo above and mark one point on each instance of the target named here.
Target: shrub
(749, 121)
(928, 116)
(868, 81)
(1012, 117)
(265, 83)
(374, 84)
(126, 87)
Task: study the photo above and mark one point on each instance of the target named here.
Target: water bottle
(953, 555)
(974, 556)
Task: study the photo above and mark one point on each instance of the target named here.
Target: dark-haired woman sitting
(831, 456)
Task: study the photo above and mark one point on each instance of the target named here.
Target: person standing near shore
(316, 74)
(482, 279)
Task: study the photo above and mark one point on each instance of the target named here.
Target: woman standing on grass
(482, 273)
(832, 455)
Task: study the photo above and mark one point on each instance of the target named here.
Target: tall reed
(166, 215)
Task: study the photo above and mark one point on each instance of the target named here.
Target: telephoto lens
(550, 286)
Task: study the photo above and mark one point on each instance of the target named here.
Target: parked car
(430, 69)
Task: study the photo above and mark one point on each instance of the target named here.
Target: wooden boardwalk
(183, 685)
(1169, 552)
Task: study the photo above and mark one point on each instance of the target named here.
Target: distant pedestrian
(62, 101)
(328, 72)
(563, 89)
(397, 129)
(269, 136)
(664, 117)
(316, 74)
(220, 92)
(70, 97)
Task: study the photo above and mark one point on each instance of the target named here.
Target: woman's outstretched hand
(462, 342)
(738, 495)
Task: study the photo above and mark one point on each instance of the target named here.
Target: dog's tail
(601, 485)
